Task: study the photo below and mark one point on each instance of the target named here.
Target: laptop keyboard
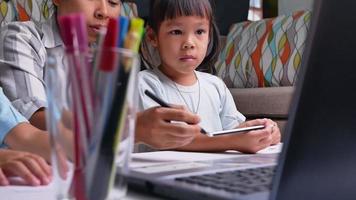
(238, 181)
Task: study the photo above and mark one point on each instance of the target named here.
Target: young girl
(186, 38)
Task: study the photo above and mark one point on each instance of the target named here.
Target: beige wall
(288, 6)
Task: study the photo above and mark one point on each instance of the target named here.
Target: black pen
(164, 104)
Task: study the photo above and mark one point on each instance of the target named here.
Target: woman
(23, 54)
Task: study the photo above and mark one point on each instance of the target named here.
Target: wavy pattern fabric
(265, 53)
(24, 10)
(40, 10)
(129, 9)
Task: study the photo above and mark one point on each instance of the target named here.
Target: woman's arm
(22, 67)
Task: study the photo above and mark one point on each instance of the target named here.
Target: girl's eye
(201, 31)
(175, 32)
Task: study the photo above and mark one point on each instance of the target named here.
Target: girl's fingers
(180, 130)
(179, 107)
(254, 122)
(267, 141)
(169, 114)
(173, 135)
(261, 134)
(276, 135)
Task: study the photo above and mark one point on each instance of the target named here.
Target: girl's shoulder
(149, 76)
(153, 75)
(149, 79)
(211, 79)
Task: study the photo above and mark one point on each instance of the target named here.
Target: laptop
(318, 159)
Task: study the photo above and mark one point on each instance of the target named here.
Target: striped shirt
(23, 53)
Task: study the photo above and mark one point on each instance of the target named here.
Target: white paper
(163, 157)
(272, 149)
(27, 192)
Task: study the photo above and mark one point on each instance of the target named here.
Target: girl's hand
(166, 128)
(275, 132)
(32, 168)
(256, 140)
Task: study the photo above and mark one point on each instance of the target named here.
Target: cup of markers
(92, 108)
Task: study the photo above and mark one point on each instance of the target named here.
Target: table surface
(47, 192)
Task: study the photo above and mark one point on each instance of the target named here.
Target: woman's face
(96, 12)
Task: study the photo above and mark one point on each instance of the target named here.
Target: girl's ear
(151, 37)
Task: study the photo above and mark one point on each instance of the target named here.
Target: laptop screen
(319, 161)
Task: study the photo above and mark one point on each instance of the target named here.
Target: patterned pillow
(265, 53)
(40, 10)
(24, 10)
(129, 9)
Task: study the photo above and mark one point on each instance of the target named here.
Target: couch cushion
(265, 53)
(37, 11)
(40, 10)
(129, 9)
(270, 102)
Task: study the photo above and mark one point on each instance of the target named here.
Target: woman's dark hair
(161, 10)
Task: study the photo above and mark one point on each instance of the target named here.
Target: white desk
(139, 160)
(47, 193)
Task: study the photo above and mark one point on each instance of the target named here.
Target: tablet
(236, 130)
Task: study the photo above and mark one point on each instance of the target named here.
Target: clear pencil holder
(60, 125)
(120, 122)
(127, 135)
(91, 149)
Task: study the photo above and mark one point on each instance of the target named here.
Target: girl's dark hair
(161, 10)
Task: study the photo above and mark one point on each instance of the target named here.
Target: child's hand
(32, 168)
(154, 127)
(256, 140)
(275, 132)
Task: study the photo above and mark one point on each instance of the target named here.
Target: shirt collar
(51, 37)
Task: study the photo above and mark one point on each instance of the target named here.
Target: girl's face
(96, 12)
(182, 44)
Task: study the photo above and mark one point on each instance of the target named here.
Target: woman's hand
(33, 169)
(166, 128)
